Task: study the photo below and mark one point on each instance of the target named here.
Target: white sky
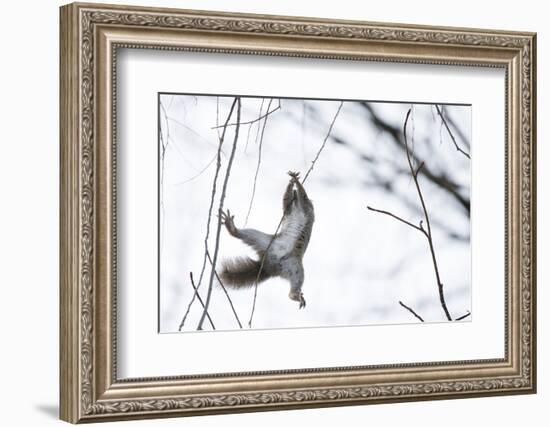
(359, 264)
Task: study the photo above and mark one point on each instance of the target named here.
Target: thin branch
(410, 224)
(449, 132)
(420, 166)
(220, 209)
(257, 127)
(257, 165)
(198, 173)
(172, 101)
(200, 299)
(324, 142)
(456, 129)
(247, 138)
(256, 119)
(427, 218)
(212, 197)
(225, 291)
(164, 145)
(413, 127)
(303, 131)
(262, 262)
(434, 221)
(427, 232)
(388, 184)
(464, 316)
(218, 117)
(189, 129)
(441, 180)
(411, 310)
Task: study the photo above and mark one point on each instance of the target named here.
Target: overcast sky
(359, 263)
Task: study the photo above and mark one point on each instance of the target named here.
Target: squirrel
(285, 250)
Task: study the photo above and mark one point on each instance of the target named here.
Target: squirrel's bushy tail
(242, 272)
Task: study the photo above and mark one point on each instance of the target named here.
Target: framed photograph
(267, 212)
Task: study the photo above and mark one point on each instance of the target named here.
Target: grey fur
(285, 254)
(241, 272)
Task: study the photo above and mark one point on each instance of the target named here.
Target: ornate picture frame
(90, 37)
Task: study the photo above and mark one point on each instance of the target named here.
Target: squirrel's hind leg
(293, 271)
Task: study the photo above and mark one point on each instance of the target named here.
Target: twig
(303, 131)
(413, 127)
(200, 299)
(220, 209)
(225, 291)
(257, 127)
(387, 184)
(198, 173)
(247, 138)
(449, 132)
(324, 142)
(262, 262)
(189, 129)
(440, 180)
(456, 129)
(428, 232)
(464, 316)
(420, 166)
(164, 145)
(411, 310)
(256, 119)
(212, 197)
(218, 117)
(410, 224)
(257, 165)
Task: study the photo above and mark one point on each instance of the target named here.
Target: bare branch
(247, 137)
(200, 299)
(197, 174)
(220, 209)
(164, 144)
(225, 291)
(456, 129)
(420, 166)
(191, 130)
(257, 165)
(262, 262)
(257, 127)
(425, 231)
(464, 316)
(427, 218)
(263, 116)
(303, 131)
(411, 310)
(324, 142)
(212, 197)
(410, 224)
(449, 132)
(439, 179)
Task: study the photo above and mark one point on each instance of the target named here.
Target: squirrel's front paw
(228, 221)
(295, 176)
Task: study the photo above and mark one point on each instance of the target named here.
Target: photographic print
(292, 213)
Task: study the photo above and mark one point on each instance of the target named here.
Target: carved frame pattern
(80, 22)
